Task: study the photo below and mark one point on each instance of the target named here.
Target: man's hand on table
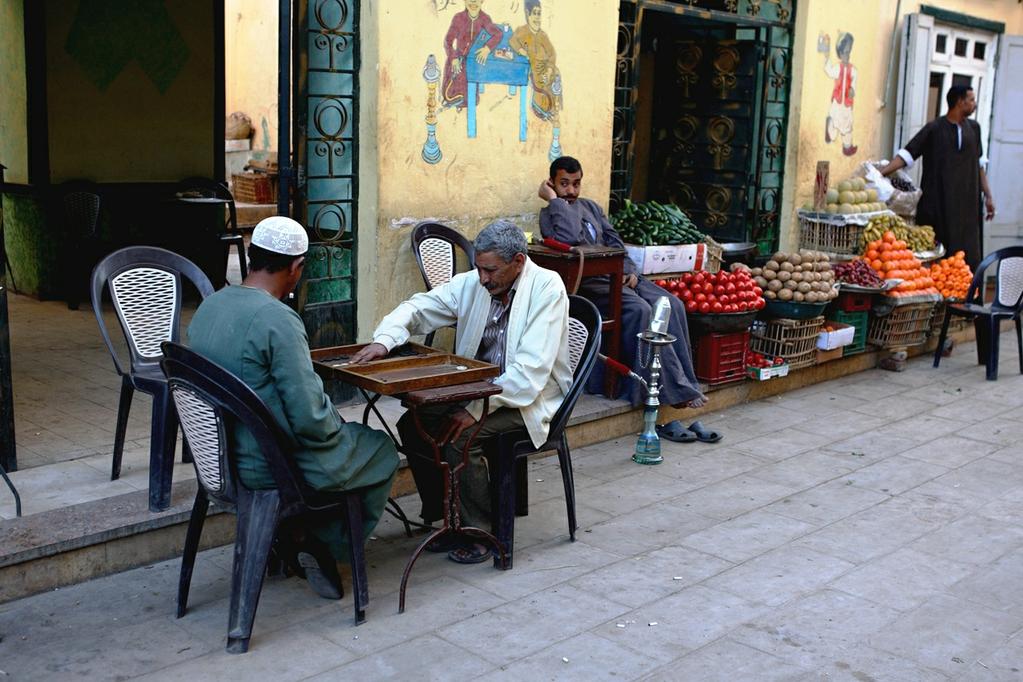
(459, 421)
(630, 281)
(373, 351)
(546, 191)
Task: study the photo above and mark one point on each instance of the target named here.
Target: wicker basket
(834, 233)
(906, 325)
(254, 188)
(794, 340)
(715, 255)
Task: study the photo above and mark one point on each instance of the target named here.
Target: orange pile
(952, 276)
(892, 259)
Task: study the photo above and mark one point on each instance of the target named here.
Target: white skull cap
(281, 235)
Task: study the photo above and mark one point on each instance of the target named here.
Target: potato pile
(803, 277)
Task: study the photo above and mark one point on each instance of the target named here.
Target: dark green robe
(263, 342)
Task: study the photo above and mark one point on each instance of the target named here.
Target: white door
(1005, 150)
(911, 104)
(935, 57)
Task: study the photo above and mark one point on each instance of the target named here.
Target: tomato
(705, 307)
(663, 283)
(730, 287)
(758, 291)
(725, 299)
(691, 306)
(731, 308)
(698, 278)
(716, 307)
(687, 277)
(700, 297)
(685, 294)
(708, 288)
(779, 361)
(760, 303)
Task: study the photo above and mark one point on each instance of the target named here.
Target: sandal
(703, 435)
(675, 431)
(321, 574)
(443, 543)
(470, 554)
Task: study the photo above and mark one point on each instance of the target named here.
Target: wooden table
(421, 377)
(594, 261)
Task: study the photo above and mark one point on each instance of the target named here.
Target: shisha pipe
(648, 444)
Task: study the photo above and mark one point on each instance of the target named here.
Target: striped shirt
(493, 343)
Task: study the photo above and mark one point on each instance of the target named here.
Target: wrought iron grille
(743, 144)
(326, 126)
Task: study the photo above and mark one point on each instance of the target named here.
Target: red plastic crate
(854, 301)
(720, 357)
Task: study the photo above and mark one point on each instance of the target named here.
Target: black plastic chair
(209, 400)
(145, 285)
(231, 236)
(506, 453)
(79, 207)
(14, 491)
(987, 318)
(434, 246)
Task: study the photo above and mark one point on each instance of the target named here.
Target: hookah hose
(552, 243)
(618, 368)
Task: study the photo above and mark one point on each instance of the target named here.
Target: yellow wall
(872, 23)
(250, 37)
(130, 131)
(13, 115)
(493, 175)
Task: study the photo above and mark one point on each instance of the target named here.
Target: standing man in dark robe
(953, 178)
(573, 220)
(465, 26)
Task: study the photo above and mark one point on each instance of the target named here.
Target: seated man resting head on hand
(571, 219)
(248, 330)
(510, 313)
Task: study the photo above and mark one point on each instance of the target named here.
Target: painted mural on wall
(839, 123)
(479, 53)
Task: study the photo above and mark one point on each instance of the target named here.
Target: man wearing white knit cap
(250, 332)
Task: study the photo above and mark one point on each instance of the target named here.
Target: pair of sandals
(461, 549)
(677, 432)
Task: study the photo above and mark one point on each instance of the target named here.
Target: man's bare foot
(695, 402)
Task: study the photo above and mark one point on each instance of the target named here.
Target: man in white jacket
(511, 313)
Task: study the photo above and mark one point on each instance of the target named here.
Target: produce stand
(834, 233)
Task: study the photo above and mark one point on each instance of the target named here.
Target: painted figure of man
(464, 28)
(839, 123)
(531, 42)
(953, 177)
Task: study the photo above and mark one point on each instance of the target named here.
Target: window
(936, 94)
(961, 45)
(979, 50)
(941, 43)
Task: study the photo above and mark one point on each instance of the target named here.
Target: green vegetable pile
(654, 224)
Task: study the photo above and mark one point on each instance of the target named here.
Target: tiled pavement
(867, 528)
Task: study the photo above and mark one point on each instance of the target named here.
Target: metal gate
(718, 130)
(324, 187)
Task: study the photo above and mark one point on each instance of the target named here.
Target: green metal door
(326, 73)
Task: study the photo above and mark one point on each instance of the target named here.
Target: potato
(771, 265)
(769, 274)
(770, 295)
(826, 258)
(761, 282)
(795, 259)
(756, 272)
(779, 256)
(798, 277)
(790, 285)
(803, 287)
(811, 297)
(797, 297)
(787, 267)
(784, 275)
(774, 285)
(785, 295)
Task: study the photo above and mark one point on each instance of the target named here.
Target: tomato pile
(761, 361)
(716, 293)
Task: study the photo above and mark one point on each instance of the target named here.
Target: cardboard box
(654, 260)
(828, 355)
(765, 373)
(843, 335)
